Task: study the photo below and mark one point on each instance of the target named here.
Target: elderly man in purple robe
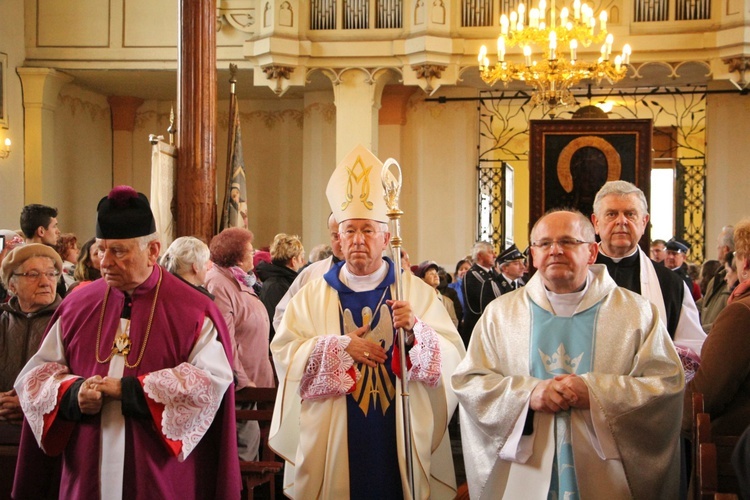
(130, 382)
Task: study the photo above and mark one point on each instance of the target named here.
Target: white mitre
(355, 189)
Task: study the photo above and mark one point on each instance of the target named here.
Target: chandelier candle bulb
(513, 20)
(534, 18)
(626, 50)
(552, 45)
(609, 41)
(527, 55)
(501, 48)
(504, 24)
(563, 16)
(577, 10)
(603, 20)
(573, 49)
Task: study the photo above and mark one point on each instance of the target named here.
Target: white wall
(728, 164)
(11, 169)
(83, 157)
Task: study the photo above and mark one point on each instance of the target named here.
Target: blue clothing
(371, 408)
(562, 346)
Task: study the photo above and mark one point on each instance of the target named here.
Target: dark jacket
(276, 281)
(724, 375)
(20, 337)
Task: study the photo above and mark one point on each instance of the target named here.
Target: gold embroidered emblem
(374, 387)
(358, 173)
(121, 346)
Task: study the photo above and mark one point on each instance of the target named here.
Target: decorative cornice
(740, 65)
(429, 71)
(278, 72)
(275, 72)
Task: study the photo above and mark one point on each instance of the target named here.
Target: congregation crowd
(573, 362)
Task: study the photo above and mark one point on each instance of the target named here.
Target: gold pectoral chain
(122, 343)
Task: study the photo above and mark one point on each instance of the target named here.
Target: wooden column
(196, 123)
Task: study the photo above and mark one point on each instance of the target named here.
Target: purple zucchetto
(124, 213)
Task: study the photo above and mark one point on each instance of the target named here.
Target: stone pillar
(123, 110)
(318, 162)
(41, 87)
(357, 94)
(727, 154)
(196, 122)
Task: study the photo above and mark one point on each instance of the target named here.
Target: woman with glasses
(30, 273)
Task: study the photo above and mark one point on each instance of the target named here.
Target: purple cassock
(187, 449)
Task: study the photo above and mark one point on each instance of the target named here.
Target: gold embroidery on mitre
(358, 175)
(374, 385)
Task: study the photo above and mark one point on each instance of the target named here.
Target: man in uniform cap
(338, 411)
(512, 267)
(677, 250)
(130, 382)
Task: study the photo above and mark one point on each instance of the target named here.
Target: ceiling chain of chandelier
(554, 74)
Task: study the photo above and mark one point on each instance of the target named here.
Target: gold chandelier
(554, 74)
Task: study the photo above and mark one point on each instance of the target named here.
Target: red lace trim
(190, 403)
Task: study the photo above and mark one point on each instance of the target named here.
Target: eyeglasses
(36, 275)
(368, 233)
(565, 243)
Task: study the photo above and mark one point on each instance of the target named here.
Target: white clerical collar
(363, 283)
(565, 304)
(617, 259)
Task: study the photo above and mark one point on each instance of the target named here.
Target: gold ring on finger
(367, 354)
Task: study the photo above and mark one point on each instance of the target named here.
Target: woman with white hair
(189, 259)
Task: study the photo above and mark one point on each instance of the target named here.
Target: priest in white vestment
(571, 387)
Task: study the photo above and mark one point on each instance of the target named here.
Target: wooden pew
(714, 475)
(263, 470)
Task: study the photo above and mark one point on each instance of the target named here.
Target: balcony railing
(356, 14)
(388, 14)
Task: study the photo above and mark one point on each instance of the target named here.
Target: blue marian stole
(561, 346)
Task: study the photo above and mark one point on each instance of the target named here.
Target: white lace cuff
(39, 394)
(190, 403)
(328, 370)
(425, 355)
